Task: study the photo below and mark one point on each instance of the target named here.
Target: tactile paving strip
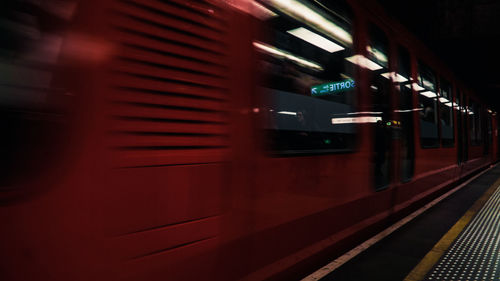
(475, 254)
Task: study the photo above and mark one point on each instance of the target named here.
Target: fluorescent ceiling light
(448, 104)
(302, 12)
(345, 76)
(409, 110)
(416, 87)
(443, 100)
(316, 39)
(287, 113)
(355, 120)
(364, 62)
(428, 84)
(396, 77)
(284, 54)
(378, 54)
(428, 94)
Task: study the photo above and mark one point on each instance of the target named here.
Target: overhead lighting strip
(305, 14)
(364, 62)
(428, 94)
(316, 39)
(396, 77)
(271, 50)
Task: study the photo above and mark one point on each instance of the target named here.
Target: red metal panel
(147, 84)
(161, 72)
(148, 95)
(173, 61)
(169, 26)
(148, 111)
(169, 134)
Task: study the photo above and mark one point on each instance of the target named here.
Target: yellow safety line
(420, 271)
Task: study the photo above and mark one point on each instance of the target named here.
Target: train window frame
(427, 92)
(282, 137)
(446, 102)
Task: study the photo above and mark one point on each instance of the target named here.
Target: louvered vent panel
(169, 81)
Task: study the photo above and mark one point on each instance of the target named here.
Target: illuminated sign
(332, 88)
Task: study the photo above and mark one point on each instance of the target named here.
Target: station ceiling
(464, 33)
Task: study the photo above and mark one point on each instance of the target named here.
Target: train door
(405, 110)
(380, 84)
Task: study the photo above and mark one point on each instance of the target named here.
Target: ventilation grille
(169, 80)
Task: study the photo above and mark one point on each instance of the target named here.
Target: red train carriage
(220, 140)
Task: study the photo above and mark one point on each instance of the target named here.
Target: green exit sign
(332, 88)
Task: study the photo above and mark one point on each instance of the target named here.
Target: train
(219, 139)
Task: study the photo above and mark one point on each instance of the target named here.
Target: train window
(465, 118)
(446, 114)
(402, 80)
(427, 99)
(460, 130)
(309, 87)
(489, 140)
(34, 107)
(475, 124)
(380, 83)
(479, 125)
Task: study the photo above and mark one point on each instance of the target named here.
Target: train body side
(166, 175)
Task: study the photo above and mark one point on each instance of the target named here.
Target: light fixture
(396, 77)
(364, 62)
(408, 110)
(428, 94)
(304, 13)
(428, 83)
(287, 113)
(316, 39)
(417, 87)
(381, 57)
(443, 100)
(365, 113)
(355, 120)
(284, 54)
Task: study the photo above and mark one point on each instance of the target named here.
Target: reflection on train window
(461, 132)
(465, 131)
(474, 112)
(427, 98)
(407, 150)
(309, 87)
(446, 114)
(380, 83)
(34, 110)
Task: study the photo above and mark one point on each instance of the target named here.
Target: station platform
(455, 238)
